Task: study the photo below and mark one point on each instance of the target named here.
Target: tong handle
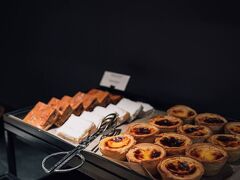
(108, 121)
(57, 167)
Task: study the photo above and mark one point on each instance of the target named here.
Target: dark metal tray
(96, 166)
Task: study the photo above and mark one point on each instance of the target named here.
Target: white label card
(116, 80)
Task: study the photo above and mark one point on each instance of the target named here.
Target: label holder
(114, 80)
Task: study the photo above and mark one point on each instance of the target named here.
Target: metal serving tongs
(108, 123)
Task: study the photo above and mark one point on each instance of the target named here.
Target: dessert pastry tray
(97, 165)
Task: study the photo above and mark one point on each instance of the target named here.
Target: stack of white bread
(76, 128)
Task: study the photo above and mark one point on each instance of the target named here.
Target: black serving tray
(95, 166)
(8, 177)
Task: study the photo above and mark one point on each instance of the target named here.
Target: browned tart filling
(142, 132)
(183, 112)
(146, 154)
(173, 140)
(213, 121)
(227, 141)
(213, 157)
(180, 168)
(232, 128)
(207, 154)
(117, 142)
(145, 151)
(116, 146)
(173, 143)
(235, 129)
(197, 133)
(165, 123)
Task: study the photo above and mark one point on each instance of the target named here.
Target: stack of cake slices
(81, 115)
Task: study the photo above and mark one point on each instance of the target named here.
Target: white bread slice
(72, 135)
(123, 115)
(75, 129)
(77, 123)
(105, 112)
(132, 107)
(92, 117)
(147, 108)
(102, 111)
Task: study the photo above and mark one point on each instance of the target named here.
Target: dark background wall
(175, 51)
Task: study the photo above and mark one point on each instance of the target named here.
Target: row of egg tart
(174, 154)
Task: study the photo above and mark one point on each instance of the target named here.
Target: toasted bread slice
(77, 103)
(64, 109)
(102, 96)
(67, 99)
(114, 99)
(89, 102)
(42, 116)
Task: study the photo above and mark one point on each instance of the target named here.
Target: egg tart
(211, 156)
(230, 143)
(232, 128)
(116, 147)
(180, 168)
(146, 154)
(214, 121)
(173, 143)
(197, 133)
(183, 112)
(165, 123)
(143, 132)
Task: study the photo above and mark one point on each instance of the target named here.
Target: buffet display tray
(96, 166)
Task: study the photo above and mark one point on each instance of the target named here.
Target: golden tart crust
(230, 143)
(173, 143)
(214, 121)
(165, 123)
(183, 112)
(232, 128)
(147, 154)
(197, 133)
(180, 168)
(116, 147)
(212, 157)
(143, 132)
